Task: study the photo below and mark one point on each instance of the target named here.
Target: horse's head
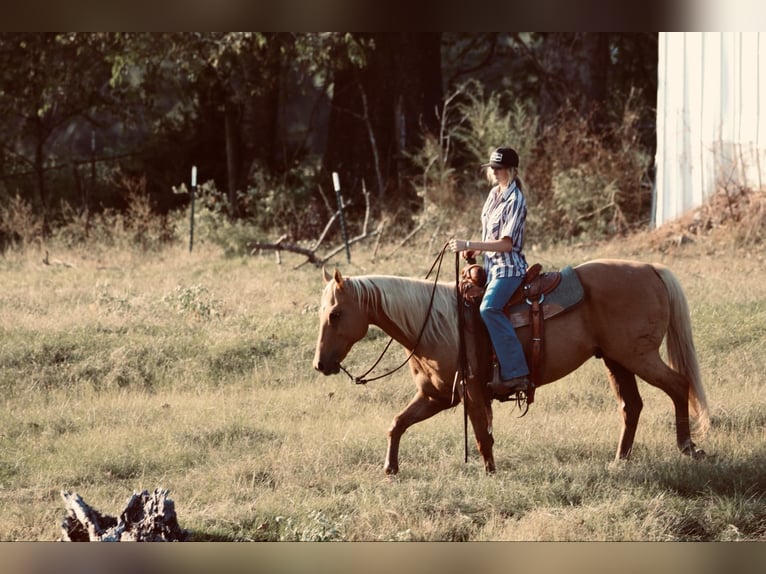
(342, 322)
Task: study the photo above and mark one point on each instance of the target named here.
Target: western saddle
(533, 289)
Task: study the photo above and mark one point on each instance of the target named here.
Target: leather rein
(361, 379)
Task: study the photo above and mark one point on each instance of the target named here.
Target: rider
(503, 219)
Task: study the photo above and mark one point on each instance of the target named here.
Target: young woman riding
(503, 219)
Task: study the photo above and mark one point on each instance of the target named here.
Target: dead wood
(281, 245)
(146, 518)
(48, 261)
(311, 252)
(404, 241)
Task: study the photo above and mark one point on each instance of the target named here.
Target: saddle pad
(568, 293)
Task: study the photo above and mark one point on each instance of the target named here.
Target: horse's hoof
(698, 454)
(694, 452)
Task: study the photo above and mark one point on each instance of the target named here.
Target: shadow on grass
(719, 474)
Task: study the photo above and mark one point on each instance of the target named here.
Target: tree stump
(146, 518)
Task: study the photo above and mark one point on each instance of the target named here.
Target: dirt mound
(735, 218)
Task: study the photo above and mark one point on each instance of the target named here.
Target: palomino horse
(627, 310)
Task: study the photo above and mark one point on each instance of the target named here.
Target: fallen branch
(326, 229)
(281, 245)
(48, 261)
(351, 241)
(279, 251)
(404, 241)
(310, 252)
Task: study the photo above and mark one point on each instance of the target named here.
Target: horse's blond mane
(405, 302)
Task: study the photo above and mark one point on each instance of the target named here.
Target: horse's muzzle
(327, 368)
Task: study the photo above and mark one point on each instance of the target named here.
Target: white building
(711, 118)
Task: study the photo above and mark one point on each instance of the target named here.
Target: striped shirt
(503, 215)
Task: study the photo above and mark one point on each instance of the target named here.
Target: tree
(268, 115)
(381, 110)
(592, 73)
(234, 85)
(575, 66)
(48, 82)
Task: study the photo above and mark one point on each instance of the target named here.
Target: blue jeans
(508, 349)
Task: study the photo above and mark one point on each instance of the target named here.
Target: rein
(462, 371)
(361, 379)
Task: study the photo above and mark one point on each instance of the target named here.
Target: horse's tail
(682, 355)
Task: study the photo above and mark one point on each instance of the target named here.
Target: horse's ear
(338, 278)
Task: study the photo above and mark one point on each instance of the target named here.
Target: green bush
(272, 207)
(588, 185)
(582, 183)
(19, 223)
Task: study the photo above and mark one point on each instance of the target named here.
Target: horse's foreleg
(623, 383)
(420, 408)
(479, 408)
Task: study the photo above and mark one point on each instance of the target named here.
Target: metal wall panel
(711, 134)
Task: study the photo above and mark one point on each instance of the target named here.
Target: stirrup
(523, 398)
(512, 386)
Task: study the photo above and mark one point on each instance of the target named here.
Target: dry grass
(127, 371)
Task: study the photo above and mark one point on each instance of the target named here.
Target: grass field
(124, 371)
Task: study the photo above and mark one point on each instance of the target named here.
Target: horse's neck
(383, 316)
(389, 317)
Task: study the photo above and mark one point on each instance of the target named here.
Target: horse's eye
(334, 316)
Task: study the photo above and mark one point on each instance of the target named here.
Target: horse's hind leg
(623, 383)
(420, 408)
(655, 372)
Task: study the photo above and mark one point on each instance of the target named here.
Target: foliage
(271, 207)
(243, 106)
(129, 99)
(587, 204)
(283, 205)
(436, 180)
(494, 120)
(194, 302)
(19, 222)
(580, 185)
(588, 185)
(52, 89)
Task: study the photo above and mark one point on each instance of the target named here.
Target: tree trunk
(576, 66)
(145, 518)
(252, 108)
(260, 108)
(39, 163)
(232, 158)
(379, 112)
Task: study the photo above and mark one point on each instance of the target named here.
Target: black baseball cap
(503, 157)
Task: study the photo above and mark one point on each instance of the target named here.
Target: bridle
(362, 379)
(462, 359)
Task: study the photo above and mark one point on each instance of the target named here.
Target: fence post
(336, 185)
(191, 215)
